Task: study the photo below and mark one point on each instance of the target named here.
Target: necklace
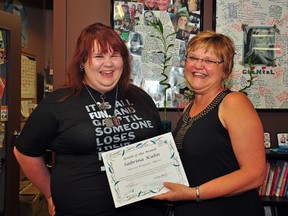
(103, 105)
(187, 121)
(109, 121)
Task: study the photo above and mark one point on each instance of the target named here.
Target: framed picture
(259, 45)
(267, 140)
(259, 31)
(282, 139)
(130, 19)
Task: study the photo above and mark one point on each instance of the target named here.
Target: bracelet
(197, 191)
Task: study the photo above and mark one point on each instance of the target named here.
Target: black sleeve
(38, 132)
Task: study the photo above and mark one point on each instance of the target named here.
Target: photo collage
(132, 21)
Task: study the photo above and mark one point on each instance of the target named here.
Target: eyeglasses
(205, 62)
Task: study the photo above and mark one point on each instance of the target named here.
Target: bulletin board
(28, 77)
(129, 21)
(265, 22)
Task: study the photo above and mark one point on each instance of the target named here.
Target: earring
(81, 67)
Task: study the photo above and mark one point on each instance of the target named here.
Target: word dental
(258, 71)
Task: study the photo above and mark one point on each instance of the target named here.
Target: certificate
(137, 171)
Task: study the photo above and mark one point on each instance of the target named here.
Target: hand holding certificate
(137, 171)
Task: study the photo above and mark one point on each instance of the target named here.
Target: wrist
(197, 194)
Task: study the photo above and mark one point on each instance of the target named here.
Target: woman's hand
(177, 192)
(51, 207)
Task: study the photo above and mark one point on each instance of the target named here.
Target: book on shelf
(274, 180)
(285, 192)
(282, 165)
(262, 188)
(268, 211)
(270, 178)
(284, 182)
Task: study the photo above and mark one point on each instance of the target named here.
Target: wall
(274, 121)
(70, 17)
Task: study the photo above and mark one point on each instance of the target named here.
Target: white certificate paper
(137, 171)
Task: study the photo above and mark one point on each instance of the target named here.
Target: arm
(37, 172)
(239, 117)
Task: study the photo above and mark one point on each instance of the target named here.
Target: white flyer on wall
(259, 31)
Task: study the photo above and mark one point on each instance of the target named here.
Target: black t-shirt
(75, 130)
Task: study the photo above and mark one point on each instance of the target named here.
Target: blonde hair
(222, 46)
(177, 17)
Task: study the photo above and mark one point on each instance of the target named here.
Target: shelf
(276, 155)
(274, 201)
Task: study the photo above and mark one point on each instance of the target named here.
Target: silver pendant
(108, 122)
(103, 106)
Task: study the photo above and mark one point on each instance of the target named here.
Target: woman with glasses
(219, 137)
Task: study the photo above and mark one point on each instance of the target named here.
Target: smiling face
(182, 22)
(163, 4)
(151, 3)
(201, 77)
(103, 70)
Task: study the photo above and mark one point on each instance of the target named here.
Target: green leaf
(161, 27)
(168, 59)
(170, 45)
(158, 26)
(158, 37)
(110, 169)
